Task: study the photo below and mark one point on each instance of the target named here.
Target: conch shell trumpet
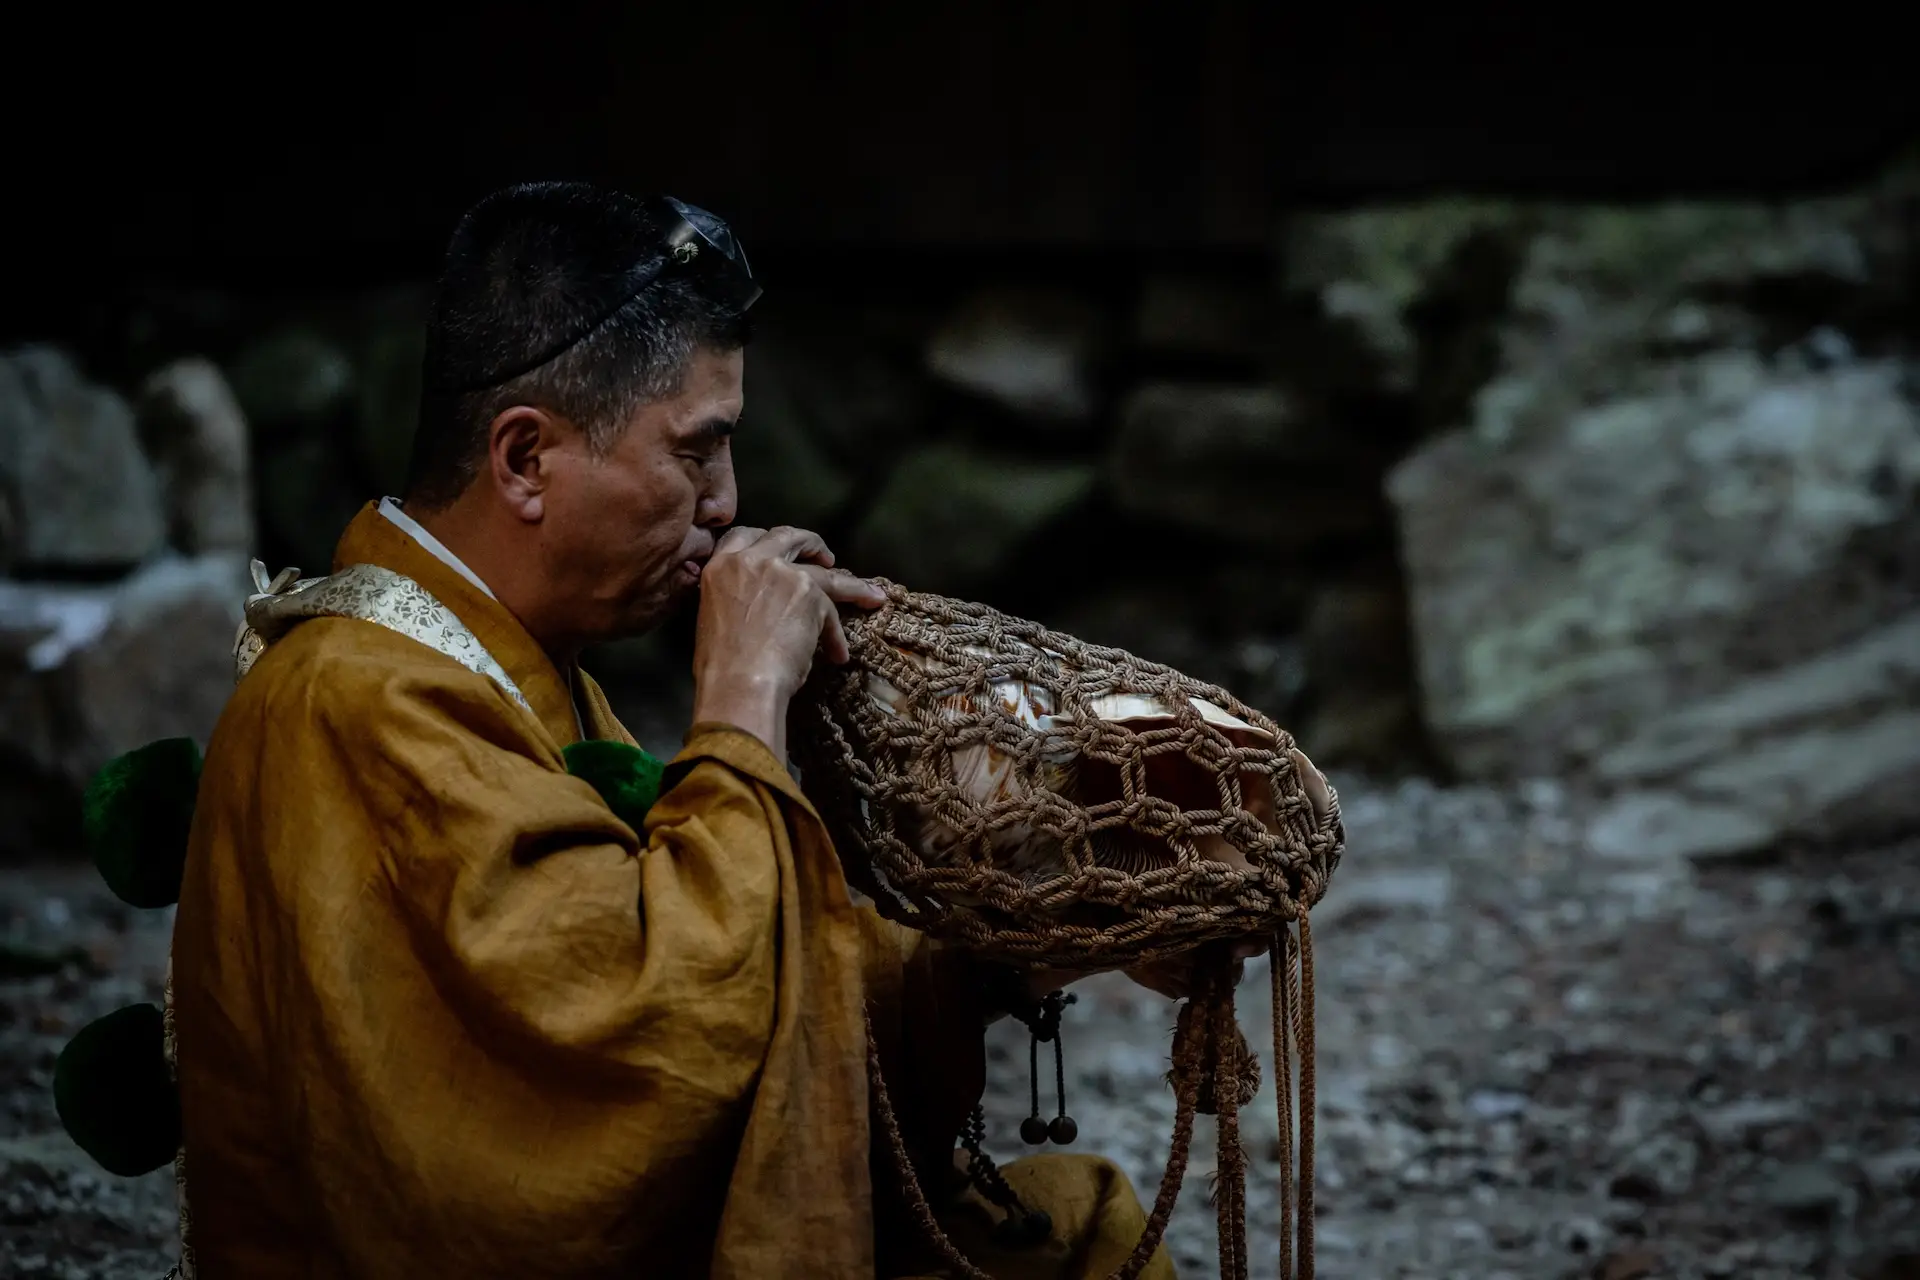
(985, 773)
(982, 772)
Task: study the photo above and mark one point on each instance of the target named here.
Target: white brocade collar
(390, 508)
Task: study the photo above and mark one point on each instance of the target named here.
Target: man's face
(626, 534)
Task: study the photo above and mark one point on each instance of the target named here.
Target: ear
(518, 443)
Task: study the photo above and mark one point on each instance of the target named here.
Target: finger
(800, 546)
(738, 538)
(844, 588)
(833, 640)
(1314, 783)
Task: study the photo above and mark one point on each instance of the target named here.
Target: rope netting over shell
(1051, 803)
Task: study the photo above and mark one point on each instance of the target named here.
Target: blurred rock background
(1523, 409)
(1487, 489)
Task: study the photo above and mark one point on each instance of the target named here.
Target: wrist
(756, 704)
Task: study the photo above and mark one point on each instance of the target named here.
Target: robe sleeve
(554, 930)
(514, 1036)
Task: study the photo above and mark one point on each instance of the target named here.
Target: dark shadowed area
(1524, 411)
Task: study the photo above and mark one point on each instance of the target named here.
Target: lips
(694, 565)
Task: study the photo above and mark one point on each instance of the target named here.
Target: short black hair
(526, 267)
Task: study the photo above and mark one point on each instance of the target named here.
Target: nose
(720, 503)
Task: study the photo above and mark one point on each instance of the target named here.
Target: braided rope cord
(1280, 960)
(981, 1170)
(1302, 993)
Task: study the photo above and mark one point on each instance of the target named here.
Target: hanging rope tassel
(1043, 1025)
(1213, 1073)
(1061, 1129)
(1236, 1079)
(1293, 1027)
(1033, 1130)
(1280, 971)
(1303, 1031)
(1189, 1078)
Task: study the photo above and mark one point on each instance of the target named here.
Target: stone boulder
(845, 376)
(293, 381)
(1404, 296)
(90, 671)
(952, 520)
(77, 493)
(1689, 493)
(1035, 353)
(782, 462)
(830, 407)
(301, 392)
(391, 346)
(196, 434)
(1570, 587)
(1249, 464)
(1358, 657)
(1823, 749)
(1185, 315)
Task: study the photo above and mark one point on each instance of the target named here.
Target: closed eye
(704, 456)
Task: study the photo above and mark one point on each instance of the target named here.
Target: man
(438, 1010)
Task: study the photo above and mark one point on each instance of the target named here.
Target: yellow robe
(440, 1012)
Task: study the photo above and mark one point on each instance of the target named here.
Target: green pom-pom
(627, 778)
(114, 1094)
(136, 814)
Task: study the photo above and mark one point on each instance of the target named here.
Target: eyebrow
(711, 431)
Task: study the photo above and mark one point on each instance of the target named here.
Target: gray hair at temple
(526, 267)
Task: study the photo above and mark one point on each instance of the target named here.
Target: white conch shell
(987, 774)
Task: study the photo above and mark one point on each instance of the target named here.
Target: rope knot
(1217, 1054)
(1042, 1018)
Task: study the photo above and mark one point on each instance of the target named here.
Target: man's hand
(767, 606)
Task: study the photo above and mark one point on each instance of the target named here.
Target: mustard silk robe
(439, 1012)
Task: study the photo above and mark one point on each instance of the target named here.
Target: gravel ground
(1537, 1063)
(1533, 1062)
(69, 952)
